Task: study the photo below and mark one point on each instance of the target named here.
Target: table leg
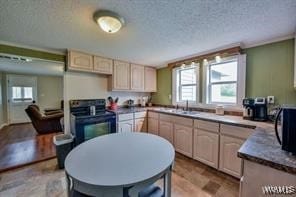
(167, 183)
(68, 185)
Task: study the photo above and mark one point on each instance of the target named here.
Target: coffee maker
(260, 109)
(248, 104)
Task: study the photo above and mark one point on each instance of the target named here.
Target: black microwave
(287, 136)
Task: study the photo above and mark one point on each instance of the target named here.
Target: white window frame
(241, 81)
(176, 91)
(23, 98)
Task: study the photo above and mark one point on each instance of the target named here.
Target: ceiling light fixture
(218, 59)
(109, 21)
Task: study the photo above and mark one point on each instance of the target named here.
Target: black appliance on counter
(248, 112)
(287, 114)
(260, 109)
(255, 109)
(89, 119)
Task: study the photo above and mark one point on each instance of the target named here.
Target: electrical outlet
(270, 99)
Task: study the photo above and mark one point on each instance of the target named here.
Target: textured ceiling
(156, 31)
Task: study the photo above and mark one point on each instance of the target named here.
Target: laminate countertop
(227, 119)
(128, 110)
(261, 147)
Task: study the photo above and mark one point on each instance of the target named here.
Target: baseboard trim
(3, 125)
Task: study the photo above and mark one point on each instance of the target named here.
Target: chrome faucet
(186, 109)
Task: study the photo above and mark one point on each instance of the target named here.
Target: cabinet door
(103, 65)
(153, 126)
(229, 161)
(166, 131)
(121, 75)
(137, 77)
(150, 79)
(205, 147)
(140, 125)
(80, 61)
(183, 137)
(126, 126)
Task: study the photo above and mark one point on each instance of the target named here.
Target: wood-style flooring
(21, 145)
(189, 179)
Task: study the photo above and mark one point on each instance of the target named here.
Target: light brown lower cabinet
(206, 147)
(183, 137)
(166, 130)
(126, 126)
(256, 175)
(141, 125)
(153, 126)
(230, 163)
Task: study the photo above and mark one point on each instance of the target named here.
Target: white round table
(120, 164)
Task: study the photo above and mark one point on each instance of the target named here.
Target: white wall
(78, 85)
(49, 91)
(2, 120)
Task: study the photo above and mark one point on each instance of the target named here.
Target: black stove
(89, 119)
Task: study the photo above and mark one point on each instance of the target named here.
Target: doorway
(21, 91)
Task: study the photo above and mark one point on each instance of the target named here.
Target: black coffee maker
(248, 111)
(260, 109)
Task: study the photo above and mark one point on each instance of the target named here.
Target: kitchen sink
(178, 111)
(188, 112)
(168, 110)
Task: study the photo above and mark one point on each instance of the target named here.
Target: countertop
(261, 147)
(126, 110)
(227, 119)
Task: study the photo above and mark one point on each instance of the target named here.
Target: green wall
(270, 71)
(164, 87)
(31, 53)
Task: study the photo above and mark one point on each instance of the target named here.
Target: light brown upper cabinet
(137, 77)
(150, 79)
(124, 76)
(80, 61)
(121, 76)
(103, 65)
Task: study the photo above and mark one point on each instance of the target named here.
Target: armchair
(44, 124)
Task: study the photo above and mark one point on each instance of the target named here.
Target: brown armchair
(44, 124)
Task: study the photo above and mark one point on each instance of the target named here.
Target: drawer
(183, 121)
(167, 118)
(140, 114)
(122, 117)
(206, 125)
(153, 115)
(236, 131)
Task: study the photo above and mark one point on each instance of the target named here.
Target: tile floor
(190, 179)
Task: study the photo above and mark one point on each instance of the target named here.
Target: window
(186, 84)
(226, 81)
(223, 82)
(20, 94)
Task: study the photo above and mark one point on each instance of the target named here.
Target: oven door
(86, 129)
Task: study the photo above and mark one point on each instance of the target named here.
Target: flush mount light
(109, 21)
